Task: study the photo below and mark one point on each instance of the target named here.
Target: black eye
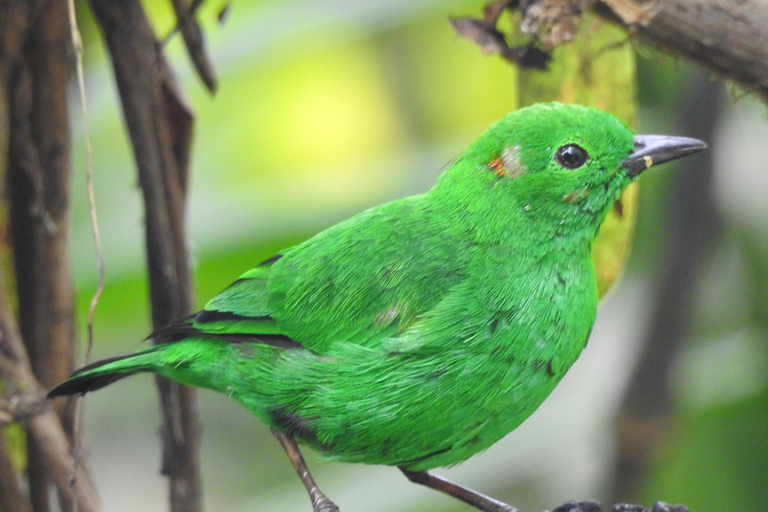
(571, 156)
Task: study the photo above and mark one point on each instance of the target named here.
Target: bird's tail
(102, 373)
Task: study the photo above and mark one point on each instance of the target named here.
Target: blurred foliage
(716, 459)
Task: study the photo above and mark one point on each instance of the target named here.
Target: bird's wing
(362, 281)
(239, 313)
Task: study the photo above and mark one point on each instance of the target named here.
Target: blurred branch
(725, 37)
(12, 497)
(38, 189)
(160, 125)
(194, 41)
(77, 46)
(692, 228)
(38, 193)
(596, 506)
(43, 427)
(15, 17)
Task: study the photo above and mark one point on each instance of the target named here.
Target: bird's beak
(657, 149)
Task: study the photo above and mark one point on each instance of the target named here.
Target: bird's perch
(729, 38)
(159, 124)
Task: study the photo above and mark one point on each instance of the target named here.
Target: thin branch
(194, 41)
(77, 44)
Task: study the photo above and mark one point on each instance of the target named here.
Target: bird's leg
(320, 502)
(465, 494)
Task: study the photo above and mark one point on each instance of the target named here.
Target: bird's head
(560, 163)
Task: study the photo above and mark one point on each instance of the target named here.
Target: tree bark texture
(38, 192)
(34, 142)
(727, 37)
(159, 124)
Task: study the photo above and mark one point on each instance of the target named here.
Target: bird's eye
(571, 156)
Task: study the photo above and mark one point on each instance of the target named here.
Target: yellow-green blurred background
(325, 108)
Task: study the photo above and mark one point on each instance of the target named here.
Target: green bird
(420, 332)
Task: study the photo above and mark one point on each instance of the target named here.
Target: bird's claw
(323, 504)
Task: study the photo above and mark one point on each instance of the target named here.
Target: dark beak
(657, 149)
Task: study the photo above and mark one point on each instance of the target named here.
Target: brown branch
(44, 428)
(729, 38)
(12, 498)
(15, 17)
(194, 42)
(159, 124)
(38, 192)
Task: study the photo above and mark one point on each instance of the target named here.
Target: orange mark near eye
(497, 164)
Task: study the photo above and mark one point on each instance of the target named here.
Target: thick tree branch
(12, 497)
(44, 428)
(15, 17)
(159, 123)
(38, 192)
(35, 139)
(729, 38)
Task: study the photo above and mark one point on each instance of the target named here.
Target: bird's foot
(321, 503)
(595, 506)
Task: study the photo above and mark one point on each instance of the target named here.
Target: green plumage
(421, 331)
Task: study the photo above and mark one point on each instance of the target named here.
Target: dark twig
(485, 33)
(194, 41)
(465, 494)
(159, 123)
